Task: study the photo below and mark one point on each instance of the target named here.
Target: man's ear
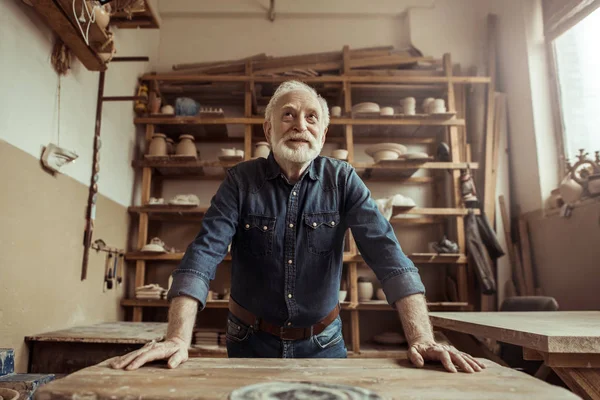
(267, 129)
(324, 136)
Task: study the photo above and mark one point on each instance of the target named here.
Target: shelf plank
(409, 165)
(422, 121)
(56, 19)
(375, 305)
(329, 78)
(146, 19)
(418, 258)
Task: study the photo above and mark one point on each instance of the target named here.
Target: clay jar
(365, 291)
(262, 149)
(158, 145)
(570, 190)
(186, 146)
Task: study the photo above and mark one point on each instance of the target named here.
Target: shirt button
(290, 261)
(289, 324)
(332, 223)
(293, 193)
(265, 227)
(291, 225)
(289, 296)
(247, 226)
(314, 224)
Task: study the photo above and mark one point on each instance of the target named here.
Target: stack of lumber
(384, 60)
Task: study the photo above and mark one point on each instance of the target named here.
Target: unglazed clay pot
(158, 145)
(186, 146)
(365, 291)
(155, 104)
(262, 149)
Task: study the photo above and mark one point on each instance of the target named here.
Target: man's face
(296, 131)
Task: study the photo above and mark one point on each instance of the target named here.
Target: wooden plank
(489, 178)
(106, 332)
(60, 24)
(386, 377)
(574, 332)
(261, 120)
(332, 78)
(507, 237)
(582, 381)
(526, 256)
(243, 61)
(521, 287)
(97, 37)
(585, 360)
(387, 61)
(319, 67)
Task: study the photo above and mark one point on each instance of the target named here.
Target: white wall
(523, 76)
(203, 30)
(29, 103)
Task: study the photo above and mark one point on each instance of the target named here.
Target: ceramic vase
(365, 291)
(570, 190)
(186, 146)
(155, 104)
(158, 145)
(262, 149)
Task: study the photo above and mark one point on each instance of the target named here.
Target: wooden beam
(489, 178)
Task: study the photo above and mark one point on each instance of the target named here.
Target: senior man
(285, 217)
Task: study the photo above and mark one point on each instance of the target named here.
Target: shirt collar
(274, 170)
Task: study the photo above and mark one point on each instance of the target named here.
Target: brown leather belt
(281, 331)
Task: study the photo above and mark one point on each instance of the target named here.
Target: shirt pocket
(321, 231)
(257, 234)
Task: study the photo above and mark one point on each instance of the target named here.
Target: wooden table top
(108, 332)
(547, 331)
(215, 378)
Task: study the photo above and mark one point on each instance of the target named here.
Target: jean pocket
(237, 331)
(331, 335)
(257, 234)
(321, 231)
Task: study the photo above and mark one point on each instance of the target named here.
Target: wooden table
(215, 378)
(68, 350)
(567, 341)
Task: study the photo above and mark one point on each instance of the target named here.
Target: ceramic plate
(400, 149)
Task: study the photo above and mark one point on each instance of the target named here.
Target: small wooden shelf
(146, 19)
(417, 258)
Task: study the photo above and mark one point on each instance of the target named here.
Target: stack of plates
(209, 337)
(152, 291)
(386, 151)
(366, 108)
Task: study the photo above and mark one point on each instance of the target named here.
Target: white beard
(301, 155)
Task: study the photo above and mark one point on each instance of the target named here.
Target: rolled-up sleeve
(377, 242)
(197, 268)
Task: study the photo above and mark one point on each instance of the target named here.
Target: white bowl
(227, 152)
(387, 111)
(340, 154)
(342, 295)
(383, 155)
(371, 150)
(239, 153)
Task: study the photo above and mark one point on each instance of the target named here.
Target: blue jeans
(244, 342)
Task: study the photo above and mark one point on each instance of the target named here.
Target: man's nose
(300, 123)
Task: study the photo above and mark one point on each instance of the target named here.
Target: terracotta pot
(186, 146)
(262, 149)
(155, 105)
(158, 145)
(365, 291)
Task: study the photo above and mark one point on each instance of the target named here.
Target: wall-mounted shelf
(147, 19)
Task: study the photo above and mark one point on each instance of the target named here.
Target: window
(577, 58)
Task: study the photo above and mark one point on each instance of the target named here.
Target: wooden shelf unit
(427, 131)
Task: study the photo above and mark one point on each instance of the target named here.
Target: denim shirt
(287, 241)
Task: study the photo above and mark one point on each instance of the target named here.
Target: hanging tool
(120, 268)
(113, 274)
(107, 271)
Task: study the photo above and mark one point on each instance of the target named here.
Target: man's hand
(175, 350)
(448, 355)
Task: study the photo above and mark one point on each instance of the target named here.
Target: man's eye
(313, 116)
(287, 114)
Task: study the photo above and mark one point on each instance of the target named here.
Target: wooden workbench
(567, 341)
(68, 350)
(206, 378)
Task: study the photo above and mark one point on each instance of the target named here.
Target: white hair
(292, 86)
